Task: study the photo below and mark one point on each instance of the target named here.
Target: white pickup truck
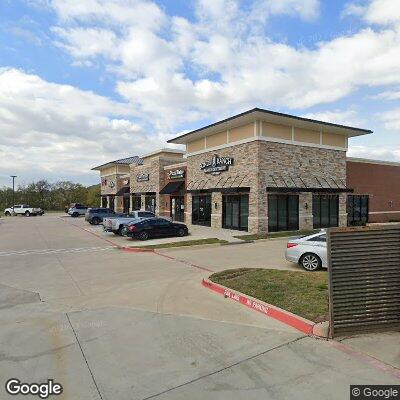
(115, 224)
(23, 209)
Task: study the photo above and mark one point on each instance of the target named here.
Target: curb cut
(286, 317)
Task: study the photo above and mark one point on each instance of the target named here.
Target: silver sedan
(308, 251)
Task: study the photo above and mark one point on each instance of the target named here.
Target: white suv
(308, 251)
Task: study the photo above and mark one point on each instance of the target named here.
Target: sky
(86, 82)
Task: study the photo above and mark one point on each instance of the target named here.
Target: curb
(286, 317)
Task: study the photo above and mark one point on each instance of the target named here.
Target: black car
(155, 227)
(95, 215)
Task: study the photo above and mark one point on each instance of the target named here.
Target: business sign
(216, 165)
(176, 174)
(142, 177)
(105, 182)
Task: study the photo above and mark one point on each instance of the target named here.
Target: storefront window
(325, 211)
(136, 203)
(201, 210)
(150, 204)
(235, 212)
(357, 209)
(111, 202)
(104, 202)
(283, 212)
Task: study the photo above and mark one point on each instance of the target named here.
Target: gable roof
(268, 115)
(124, 161)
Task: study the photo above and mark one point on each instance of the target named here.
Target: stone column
(305, 211)
(188, 209)
(343, 209)
(216, 213)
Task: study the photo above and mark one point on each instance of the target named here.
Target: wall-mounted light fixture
(306, 206)
(216, 206)
(390, 203)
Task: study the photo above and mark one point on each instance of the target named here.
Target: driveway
(108, 324)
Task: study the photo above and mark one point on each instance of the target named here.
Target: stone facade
(154, 168)
(253, 163)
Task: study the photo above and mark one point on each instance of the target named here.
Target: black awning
(123, 191)
(308, 183)
(172, 187)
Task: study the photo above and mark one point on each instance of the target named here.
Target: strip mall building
(259, 171)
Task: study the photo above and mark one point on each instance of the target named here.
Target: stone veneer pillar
(305, 211)
(343, 209)
(188, 209)
(216, 213)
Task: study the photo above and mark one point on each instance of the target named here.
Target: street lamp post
(13, 196)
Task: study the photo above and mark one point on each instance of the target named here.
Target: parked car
(77, 210)
(116, 225)
(308, 251)
(95, 215)
(23, 209)
(72, 205)
(154, 227)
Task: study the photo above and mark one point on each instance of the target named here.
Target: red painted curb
(269, 310)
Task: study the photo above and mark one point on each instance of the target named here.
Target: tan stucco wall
(331, 139)
(216, 140)
(196, 145)
(276, 131)
(123, 169)
(108, 171)
(241, 133)
(306, 135)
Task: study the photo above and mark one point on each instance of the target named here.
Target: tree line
(50, 196)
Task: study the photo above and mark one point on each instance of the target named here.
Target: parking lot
(110, 324)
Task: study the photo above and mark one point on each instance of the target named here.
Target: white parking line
(52, 251)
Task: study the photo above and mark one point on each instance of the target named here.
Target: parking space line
(52, 251)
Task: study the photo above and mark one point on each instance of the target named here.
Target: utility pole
(13, 196)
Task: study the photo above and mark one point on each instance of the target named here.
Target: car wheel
(27, 213)
(95, 221)
(7, 214)
(181, 232)
(75, 215)
(143, 236)
(310, 262)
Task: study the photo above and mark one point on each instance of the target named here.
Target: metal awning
(123, 191)
(172, 187)
(310, 183)
(224, 184)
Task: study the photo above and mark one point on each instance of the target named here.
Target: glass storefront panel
(325, 211)
(357, 209)
(178, 208)
(104, 202)
(235, 212)
(111, 202)
(150, 204)
(136, 202)
(201, 210)
(283, 212)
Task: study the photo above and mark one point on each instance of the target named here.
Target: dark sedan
(155, 227)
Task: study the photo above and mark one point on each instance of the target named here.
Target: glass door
(201, 210)
(126, 204)
(235, 212)
(111, 202)
(283, 212)
(150, 203)
(178, 208)
(325, 211)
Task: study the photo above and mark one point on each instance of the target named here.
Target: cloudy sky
(84, 82)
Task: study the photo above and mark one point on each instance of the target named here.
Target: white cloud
(387, 153)
(342, 117)
(391, 119)
(388, 95)
(380, 12)
(52, 130)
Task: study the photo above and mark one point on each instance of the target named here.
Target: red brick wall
(381, 183)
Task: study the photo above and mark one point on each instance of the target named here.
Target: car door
(321, 250)
(161, 227)
(18, 209)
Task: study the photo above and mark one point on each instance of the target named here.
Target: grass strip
(302, 293)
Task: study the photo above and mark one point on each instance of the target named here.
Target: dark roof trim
(307, 190)
(256, 109)
(124, 190)
(222, 190)
(122, 161)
